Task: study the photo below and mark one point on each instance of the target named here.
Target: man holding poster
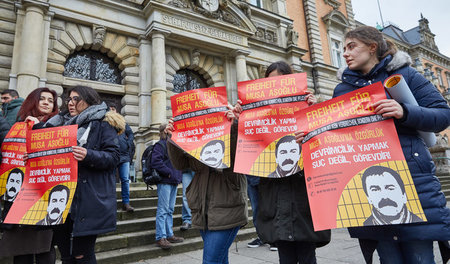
(371, 58)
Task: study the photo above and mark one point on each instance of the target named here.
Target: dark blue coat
(432, 114)
(94, 205)
(161, 162)
(126, 145)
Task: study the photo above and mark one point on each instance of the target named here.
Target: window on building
(447, 74)
(92, 65)
(185, 80)
(439, 75)
(258, 3)
(336, 53)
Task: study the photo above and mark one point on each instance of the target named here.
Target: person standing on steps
(126, 146)
(167, 192)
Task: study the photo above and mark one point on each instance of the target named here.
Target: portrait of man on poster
(212, 154)
(57, 202)
(13, 184)
(385, 191)
(287, 155)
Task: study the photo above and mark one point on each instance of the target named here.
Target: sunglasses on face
(74, 99)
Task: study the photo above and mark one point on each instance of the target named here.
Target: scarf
(92, 113)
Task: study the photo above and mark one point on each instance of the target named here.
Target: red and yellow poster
(12, 169)
(201, 127)
(356, 173)
(266, 144)
(50, 178)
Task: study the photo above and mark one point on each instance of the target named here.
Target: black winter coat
(94, 205)
(284, 213)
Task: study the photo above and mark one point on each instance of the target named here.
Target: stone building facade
(138, 53)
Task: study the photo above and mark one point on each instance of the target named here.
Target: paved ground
(341, 250)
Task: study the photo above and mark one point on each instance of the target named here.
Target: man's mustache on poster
(12, 189)
(287, 161)
(55, 210)
(386, 202)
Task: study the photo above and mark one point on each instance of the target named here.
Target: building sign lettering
(201, 29)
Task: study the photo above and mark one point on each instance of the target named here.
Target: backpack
(150, 175)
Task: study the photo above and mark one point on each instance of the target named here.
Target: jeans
(72, 247)
(124, 174)
(167, 194)
(411, 252)
(216, 245)
(185, 210)
(252, 191)
(293, 252)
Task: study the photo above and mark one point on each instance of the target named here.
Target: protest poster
(50, 181)
(12, 169)
(201, 126)
(355, 170)
(266, 145)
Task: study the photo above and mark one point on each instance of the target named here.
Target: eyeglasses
(74, 99)
(5, 97)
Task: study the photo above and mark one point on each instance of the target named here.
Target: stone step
(133, 239)
(142, 192)
(137, 253)
(142, 212)
(146, 202)
(444, 178)
(146, 223)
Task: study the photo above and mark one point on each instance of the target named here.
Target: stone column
(145, 61)
(158, 80)
(31, 48)
(241, 65)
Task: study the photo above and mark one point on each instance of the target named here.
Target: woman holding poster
(93, 210)
(371, 58)
(284, 217)
(32, 242)
(217, 199)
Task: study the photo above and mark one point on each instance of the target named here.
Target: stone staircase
(134, 238)
(441, 157)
